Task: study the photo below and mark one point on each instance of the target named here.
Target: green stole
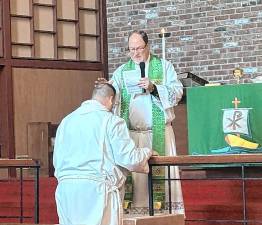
(155, 72)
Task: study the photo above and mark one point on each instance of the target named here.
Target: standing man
(92, 153)
(149, 114)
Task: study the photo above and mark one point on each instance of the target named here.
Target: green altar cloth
(205, 116)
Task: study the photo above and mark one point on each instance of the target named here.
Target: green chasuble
(205, 112)
(155, 72)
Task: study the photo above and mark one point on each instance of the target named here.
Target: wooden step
(168, 219)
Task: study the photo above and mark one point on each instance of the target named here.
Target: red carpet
(203, 200)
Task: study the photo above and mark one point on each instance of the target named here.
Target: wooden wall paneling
(32, 27)
(67, 40)
(67, 33)
(58, 64)
(6, 112)
(55, 29)
(21, 51)
(88, 22)
(88, 48)
(67, 53)
(44, 2)
(66, 9)
(18, 7)
(21, 30)
(44, 31)
(40, 136)
(103, 43)
(38, 144)
(88, 4)
(77, 30)
(21, 37)
(46, 95)
(43, 18)
(98, 31)
(6, 90)
(44, 45)
(1, 42)
(1, 29)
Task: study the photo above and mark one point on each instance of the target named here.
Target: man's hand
(146, 84)
(100, 80)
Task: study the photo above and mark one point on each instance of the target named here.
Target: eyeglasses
(138, 49)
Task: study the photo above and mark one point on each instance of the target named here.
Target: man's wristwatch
(154, 91)
(152, 88)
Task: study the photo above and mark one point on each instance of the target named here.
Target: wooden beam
(168, 219)
(4, 163)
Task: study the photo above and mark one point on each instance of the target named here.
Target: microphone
(142, 66)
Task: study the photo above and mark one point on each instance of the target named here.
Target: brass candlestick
(238, 73)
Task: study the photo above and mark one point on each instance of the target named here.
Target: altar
(207, 125)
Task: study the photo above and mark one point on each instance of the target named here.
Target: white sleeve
(171, 91)
(124, 150)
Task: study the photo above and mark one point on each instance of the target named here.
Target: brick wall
(208, 37)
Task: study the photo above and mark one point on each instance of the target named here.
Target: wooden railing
(205, 159)
(22, 164)
(241, 161)
(17, 163)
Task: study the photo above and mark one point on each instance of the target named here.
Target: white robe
(92, 154)
(140, 121)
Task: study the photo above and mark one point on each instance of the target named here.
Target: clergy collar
(146, 62)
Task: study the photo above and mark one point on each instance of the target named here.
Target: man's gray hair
(142, 34)
(104, 90)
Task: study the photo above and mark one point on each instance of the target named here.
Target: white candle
(163, 52)
(163, 43)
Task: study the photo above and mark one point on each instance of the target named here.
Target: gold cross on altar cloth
(236, 102)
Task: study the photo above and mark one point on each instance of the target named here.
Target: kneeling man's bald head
(104, 90)
(105, 94)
